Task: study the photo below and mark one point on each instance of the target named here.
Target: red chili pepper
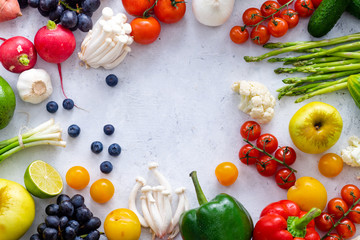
(283, 220)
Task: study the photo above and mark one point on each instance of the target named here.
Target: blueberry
(96, 147)
(41, 228)
(52, 209)
(66, 208)
(109, 129)
(77, 200)
(61, 198)
(68, 104)
(35, 236)
(106, 167)
(94, 235)
(50, 234)
(69, 233)
(74, 130)
(83, 214)
(63, 222)
(114, 149)
(52, 221)
(74, 225)
(111, 80)
(52, 107)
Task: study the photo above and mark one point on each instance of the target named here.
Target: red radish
(17, 54)
(55, 44)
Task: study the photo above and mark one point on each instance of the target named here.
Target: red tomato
(270, 7)
(355, 216)
(251, 16)
(304, 8)
(337, 207)
(267, 142)
(283, 2)
(286, 154)
(260, 35)
(137, 7)
(324, 222)
(316, 3)
(169, 11)
(248, 155)
(350, 193)
(266, 166)
(285, 178)
(250, 130)
(239, 34)
(291, 17)
(145, 30)
(278, 27)
(346, 228)
(332, 236)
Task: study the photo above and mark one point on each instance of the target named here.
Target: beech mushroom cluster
(107, 44)
(156, 205)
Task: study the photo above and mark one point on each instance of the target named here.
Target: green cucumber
(354, 8)
(353, 85)
(325, 16)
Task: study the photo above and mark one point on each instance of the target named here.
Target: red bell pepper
(283, 220)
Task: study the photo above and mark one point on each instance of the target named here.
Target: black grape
(90, 5)
(84, 22)
(48, 5)
(33, 3)
(56, 14)
(23, 3)
(43, 13)
(69, 19)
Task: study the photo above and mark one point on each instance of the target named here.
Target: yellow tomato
(308, 193)
(77, 177)
(226, 173)
(122, 224)
(330, 165)
(102, 190)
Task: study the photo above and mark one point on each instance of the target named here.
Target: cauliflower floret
(256, 100)
(351, 154)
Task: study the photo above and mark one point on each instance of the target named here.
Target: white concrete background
(173, 105)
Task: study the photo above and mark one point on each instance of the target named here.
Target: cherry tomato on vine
(239, 34)
(77, 177)
(285, 178)
(332, 236)
(270, 7)
(346, 228)
(250, 130)
(286, 154)
(102, 190)
(278, 27)
(324, 222)
(267, 142)
(337, 207)
(248, 155)
(226, 173)
(354, 215)
(330, 165)
(282, 2)
(137, 7)
(252, 16)
(145, 30)
(170, 11)
(347, 193)
(260, 35)
(316, 3)
(266, 166)
(304, 8)
(291, 17)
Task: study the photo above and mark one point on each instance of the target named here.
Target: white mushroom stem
(179, 210)
(147, 215)
(153, 166)
(167, 212)
(159, 198)
(140, 182)
(125, 51)
(153, 209)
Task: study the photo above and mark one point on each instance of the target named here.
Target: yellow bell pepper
(308, 193)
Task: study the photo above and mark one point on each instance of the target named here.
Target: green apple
(315, 127)
(17, 210)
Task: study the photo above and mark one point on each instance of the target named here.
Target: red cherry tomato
(145, 30)
(266, 166)
(260, 35)
(248, 155)
(350, 194)
(286, 154)
(291, 17)
(337, 207)
(137, 7)
(267, 142)
(324, 222)
(270, 7)
(332, 236)
(285, 178)
(251, 16)
(278, 27)
(304, 8)
(354, 215)
(316, 3)
(282, 2)
(250, 130)
(239, 34)
(346, 228)
(169, 11)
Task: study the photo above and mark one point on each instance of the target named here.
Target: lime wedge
(42, 180)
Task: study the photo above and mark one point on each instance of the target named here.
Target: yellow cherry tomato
(308, 193)
(77, 177)
(226, 173)
(102, 190)
(330, 165)
(122, 224)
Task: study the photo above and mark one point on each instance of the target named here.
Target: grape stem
(66, 5)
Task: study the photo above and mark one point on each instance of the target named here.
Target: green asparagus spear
(315, 60)
(329, 89)
(314, 78)
(347, 54)
(283, 45)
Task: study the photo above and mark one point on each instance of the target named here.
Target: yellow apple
(315, 127)
(17, 210)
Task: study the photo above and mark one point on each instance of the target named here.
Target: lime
(7, 103)
(42, 180)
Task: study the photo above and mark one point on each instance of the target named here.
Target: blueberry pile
(72, 14)
(68, 219)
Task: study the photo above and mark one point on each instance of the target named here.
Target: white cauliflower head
(256, 100)
(351, 154)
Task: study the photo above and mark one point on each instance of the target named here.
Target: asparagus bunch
(329, 63)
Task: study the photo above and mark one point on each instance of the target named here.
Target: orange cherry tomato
(77, 177)
(330, 165)
(145, 30)
(226, 173)
(239, 34)
(102, 190)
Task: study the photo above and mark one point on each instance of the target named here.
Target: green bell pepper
(223, 218)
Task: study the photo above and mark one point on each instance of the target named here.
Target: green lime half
(42, 180)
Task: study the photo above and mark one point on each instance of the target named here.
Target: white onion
(212, 12)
